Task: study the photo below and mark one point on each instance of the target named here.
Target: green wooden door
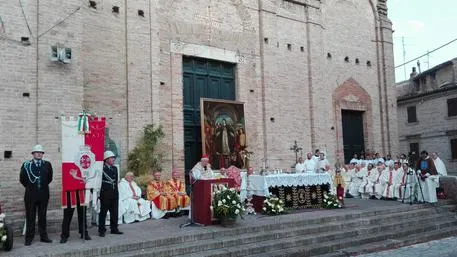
(353, 139)
(202, 78)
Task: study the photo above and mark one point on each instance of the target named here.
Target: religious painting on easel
(223, 132)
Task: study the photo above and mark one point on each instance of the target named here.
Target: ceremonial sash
(402, 182)
(390, 183)
(133, 190)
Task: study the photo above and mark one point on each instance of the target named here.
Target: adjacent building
(427, 113)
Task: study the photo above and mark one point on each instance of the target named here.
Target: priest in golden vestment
(157, 194)
(176, 188)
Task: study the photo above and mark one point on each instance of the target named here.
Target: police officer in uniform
(109, 195)
(35, 176)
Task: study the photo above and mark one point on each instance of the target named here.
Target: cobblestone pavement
(439, 248)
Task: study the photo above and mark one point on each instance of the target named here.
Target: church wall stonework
(128, 68)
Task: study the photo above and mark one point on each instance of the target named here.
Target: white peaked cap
(38, 148)
(108, 154)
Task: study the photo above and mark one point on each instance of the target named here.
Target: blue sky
(424, 25)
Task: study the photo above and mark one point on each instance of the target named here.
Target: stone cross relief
(209, 22)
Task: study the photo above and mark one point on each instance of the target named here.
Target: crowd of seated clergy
(374, 177)
(163, 198)
(394, 179)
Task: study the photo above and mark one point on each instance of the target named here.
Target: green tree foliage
(144, 158)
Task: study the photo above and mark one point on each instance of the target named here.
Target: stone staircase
(341, 234)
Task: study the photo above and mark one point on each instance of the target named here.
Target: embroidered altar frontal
(300, 197)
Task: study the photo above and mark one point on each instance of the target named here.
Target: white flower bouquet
(227, 204)
(331, 202)
(6, 238)
(273, 206)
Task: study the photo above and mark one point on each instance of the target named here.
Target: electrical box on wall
(60, 54)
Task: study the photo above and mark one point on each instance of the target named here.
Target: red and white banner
(82, 158)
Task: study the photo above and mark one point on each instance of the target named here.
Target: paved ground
(439, 248)
(169, 228)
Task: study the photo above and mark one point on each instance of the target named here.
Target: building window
(414, 149)
(412, 116)
(452, 107)
(454, 148)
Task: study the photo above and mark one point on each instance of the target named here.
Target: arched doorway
(352, 105)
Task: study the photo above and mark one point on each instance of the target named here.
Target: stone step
(328, 248)
(261, 233)
(394, 243)
(322, 231)
(280, 222)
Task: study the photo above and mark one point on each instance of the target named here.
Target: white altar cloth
(258, 185)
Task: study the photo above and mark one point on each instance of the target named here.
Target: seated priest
(234, 172)
(388, 179)
(369, 177)
(176, 188)
(405, 176)
(428, 178)
(161, 201)
(379, 185)
(202, 170)
(131, 206)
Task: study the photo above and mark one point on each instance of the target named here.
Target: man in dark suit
(35, 176)
(68, 214)
(109, 195)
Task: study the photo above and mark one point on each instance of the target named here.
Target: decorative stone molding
(382, 7)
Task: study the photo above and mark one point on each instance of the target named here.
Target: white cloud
(416, 25)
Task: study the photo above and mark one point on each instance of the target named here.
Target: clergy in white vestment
(389, 160)
(439, 165)
(346, 174)
(316, 155)
(202, 170)
(379, 185)
(300, 166)
(428, 175)
(403, 159)
(355, 159)
(131, 206)
(378, 159)
(356, 180)
(310, 164)
(388, 179)
(369, 177)
(322, 163)
(405, 176)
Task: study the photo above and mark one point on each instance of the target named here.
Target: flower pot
(8, 244)
(228, 222)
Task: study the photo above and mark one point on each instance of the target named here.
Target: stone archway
(351, 96)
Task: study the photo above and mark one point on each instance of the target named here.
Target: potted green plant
(227, 206)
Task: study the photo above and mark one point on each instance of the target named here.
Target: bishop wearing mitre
(176, 188)
(157, 194)
(202, 170)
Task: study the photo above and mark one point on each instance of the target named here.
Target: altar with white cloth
(298, 191)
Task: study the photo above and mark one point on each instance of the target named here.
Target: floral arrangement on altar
(331, 202)
(6, 239)
(227, 204)
(273, 206)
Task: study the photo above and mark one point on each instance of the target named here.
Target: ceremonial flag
(82, 157)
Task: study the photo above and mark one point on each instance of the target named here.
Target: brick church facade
(305, 69)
